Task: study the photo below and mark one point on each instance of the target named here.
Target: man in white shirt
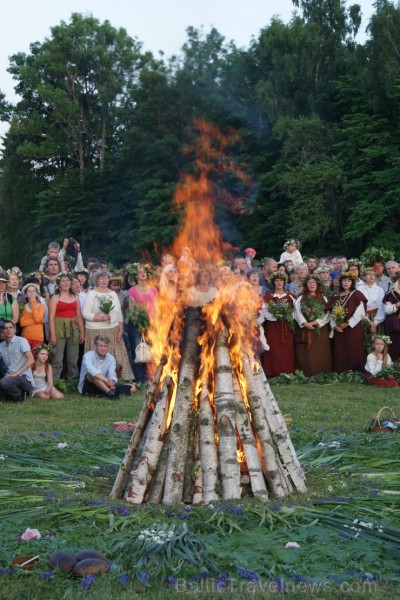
(98, 376)
(17, 356)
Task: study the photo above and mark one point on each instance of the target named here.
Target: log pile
(208, 430)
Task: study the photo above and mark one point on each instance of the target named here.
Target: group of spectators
(85, 322)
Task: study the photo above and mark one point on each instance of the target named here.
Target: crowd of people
(86, 323)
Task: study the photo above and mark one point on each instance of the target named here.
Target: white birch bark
(279, 430)
(198, 480)
(145, 467)
(278, 483)
(181, 419)
(226, 420)
(208, 448)
(246, 435)
(121, 479)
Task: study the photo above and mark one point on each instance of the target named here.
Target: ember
(210, 427)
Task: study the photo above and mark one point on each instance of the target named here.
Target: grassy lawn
(346, 525)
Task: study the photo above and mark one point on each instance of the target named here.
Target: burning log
(202, 431)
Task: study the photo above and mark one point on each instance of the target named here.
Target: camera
(71, 241)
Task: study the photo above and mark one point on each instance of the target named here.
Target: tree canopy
(96, 141)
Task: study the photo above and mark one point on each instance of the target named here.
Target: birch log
(156, 490)
(278, 483)
(226, 420)
(145, 415)
(145, 467)
(208, 448)
(245, 432)
(180, 425)
(280, 432)
(198, 477)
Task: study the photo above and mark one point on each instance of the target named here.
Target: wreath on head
(133, 269)
(314, 276)
(278, 275)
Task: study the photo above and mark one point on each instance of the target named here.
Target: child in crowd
(379, 358)
(291, 252)
(33, 315)
(43, 375)
(53, 251)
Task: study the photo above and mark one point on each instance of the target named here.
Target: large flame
(199, 245)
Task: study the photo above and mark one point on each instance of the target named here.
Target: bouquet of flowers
(312, 309)
(138, 315)
(105, 304)
(339, 313)
(282, 311)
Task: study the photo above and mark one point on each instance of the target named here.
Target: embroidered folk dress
(348, 347)
(313, 348)
(280, 357)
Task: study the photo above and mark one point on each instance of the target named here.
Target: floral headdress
(64, 274)
(15, 271)
(314, 276)
(278, 275)
(47, 347)
(28, 285)
(83, 270)
(385, 338)
(354, 262)
(4, 276)
(292, 241)
(133, 269)
(348, 275)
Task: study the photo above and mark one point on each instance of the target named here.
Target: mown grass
(67, 493)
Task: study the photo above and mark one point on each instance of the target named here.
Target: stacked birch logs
(205, 435)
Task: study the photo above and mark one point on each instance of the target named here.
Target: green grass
(350, 475)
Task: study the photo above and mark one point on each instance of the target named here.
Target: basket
(28, 563)
(378, 421)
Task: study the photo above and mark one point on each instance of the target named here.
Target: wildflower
(280, 586)
(292, 545)
(30, 534)
(2, 457)
(144, 577)
(248, 574)
(171, 579)
(220, 582)
(124, 579)
(62, 445)
(87, 582)
(48, 575)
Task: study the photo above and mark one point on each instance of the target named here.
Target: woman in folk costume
(277, 314)
(391, 304)
(348, 308)
(312, 344)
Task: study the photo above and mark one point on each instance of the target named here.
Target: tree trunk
(226, 418)
(180, 425)
(208, 449)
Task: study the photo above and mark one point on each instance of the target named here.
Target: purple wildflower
(171, 579)
(144, 577)
(248, 574)
(47, 575)
(124, 579)
(87, 582)
(220, 582)
(280, 585)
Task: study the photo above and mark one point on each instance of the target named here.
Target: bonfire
(210, 427)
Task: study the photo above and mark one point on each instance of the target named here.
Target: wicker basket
(377, 423)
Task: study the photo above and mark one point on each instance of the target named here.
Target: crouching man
(16, 355)
(98, 376)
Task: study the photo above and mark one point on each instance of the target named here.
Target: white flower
(330, 489)
(141, 536)
(292, 545)
(2, 457)
(62, 445)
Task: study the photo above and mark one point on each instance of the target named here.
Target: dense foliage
(96, 141)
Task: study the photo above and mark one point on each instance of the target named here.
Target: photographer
(71, 244)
